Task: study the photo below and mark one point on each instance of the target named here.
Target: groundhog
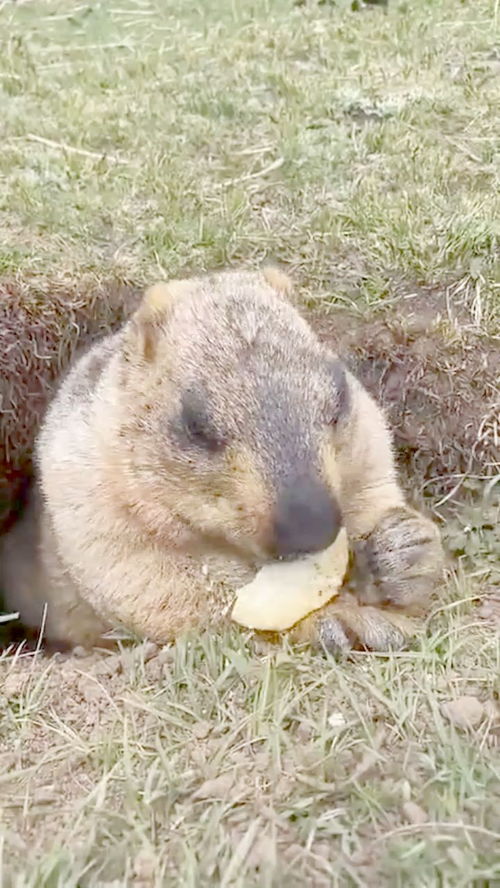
(212, 434)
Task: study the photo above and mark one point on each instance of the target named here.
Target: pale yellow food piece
(284, 592)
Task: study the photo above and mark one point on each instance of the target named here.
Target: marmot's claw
(346, 625)
(333, 637)
(401, 561)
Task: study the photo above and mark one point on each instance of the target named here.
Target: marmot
(211, 434)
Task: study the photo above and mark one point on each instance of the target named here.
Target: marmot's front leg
(396, 568)
(398, 558)
(400, 561)
(345, 624)
(398, 551)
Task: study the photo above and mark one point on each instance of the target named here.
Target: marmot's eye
(203, 435)
(195, 426)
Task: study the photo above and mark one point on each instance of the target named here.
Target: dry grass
(214, 763)
(42, 326)
(360, 149)
(436, 375)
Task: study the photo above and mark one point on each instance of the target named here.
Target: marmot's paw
(346, 625)
(400, 562)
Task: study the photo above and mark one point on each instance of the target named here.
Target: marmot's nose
(307, 517)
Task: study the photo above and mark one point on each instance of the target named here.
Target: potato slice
(284, 592)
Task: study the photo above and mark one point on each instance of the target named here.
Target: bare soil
(437, 375)
(42, 325)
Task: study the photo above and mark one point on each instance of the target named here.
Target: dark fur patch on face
(195, 427)
(291, 425)
(340, 391)
(281, 428)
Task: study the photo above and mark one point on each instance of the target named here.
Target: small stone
(14, 683)
(492, 711)
(217, 788)
(414, 813)
(144, 868)
(336, 720)
(263, 853)
(90, 689)
(201, 729)
(304, 732)
(464, 712)
(108, 666)
(293, 852)
(363, 856)
(489, 608)
(80, 652)
(154, 670)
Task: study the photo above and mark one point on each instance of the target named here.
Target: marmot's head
(231, 409)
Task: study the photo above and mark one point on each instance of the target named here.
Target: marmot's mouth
(214, 543)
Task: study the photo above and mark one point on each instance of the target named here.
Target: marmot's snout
(307, 517)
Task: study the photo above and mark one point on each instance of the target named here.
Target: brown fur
(168, 452)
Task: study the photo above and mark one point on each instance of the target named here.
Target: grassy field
(361, 149)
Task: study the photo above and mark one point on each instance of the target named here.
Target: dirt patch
(437, 376)
(41, 326)
(490, 609)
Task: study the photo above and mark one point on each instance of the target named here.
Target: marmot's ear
(151, 317)
(278, 280)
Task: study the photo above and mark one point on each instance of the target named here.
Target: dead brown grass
(42, 324)
(437, 375)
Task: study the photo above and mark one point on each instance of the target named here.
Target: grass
(360, 149)
(213, 763)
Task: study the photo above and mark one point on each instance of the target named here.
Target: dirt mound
(437, 376)
(41, 325)
(431, 368)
